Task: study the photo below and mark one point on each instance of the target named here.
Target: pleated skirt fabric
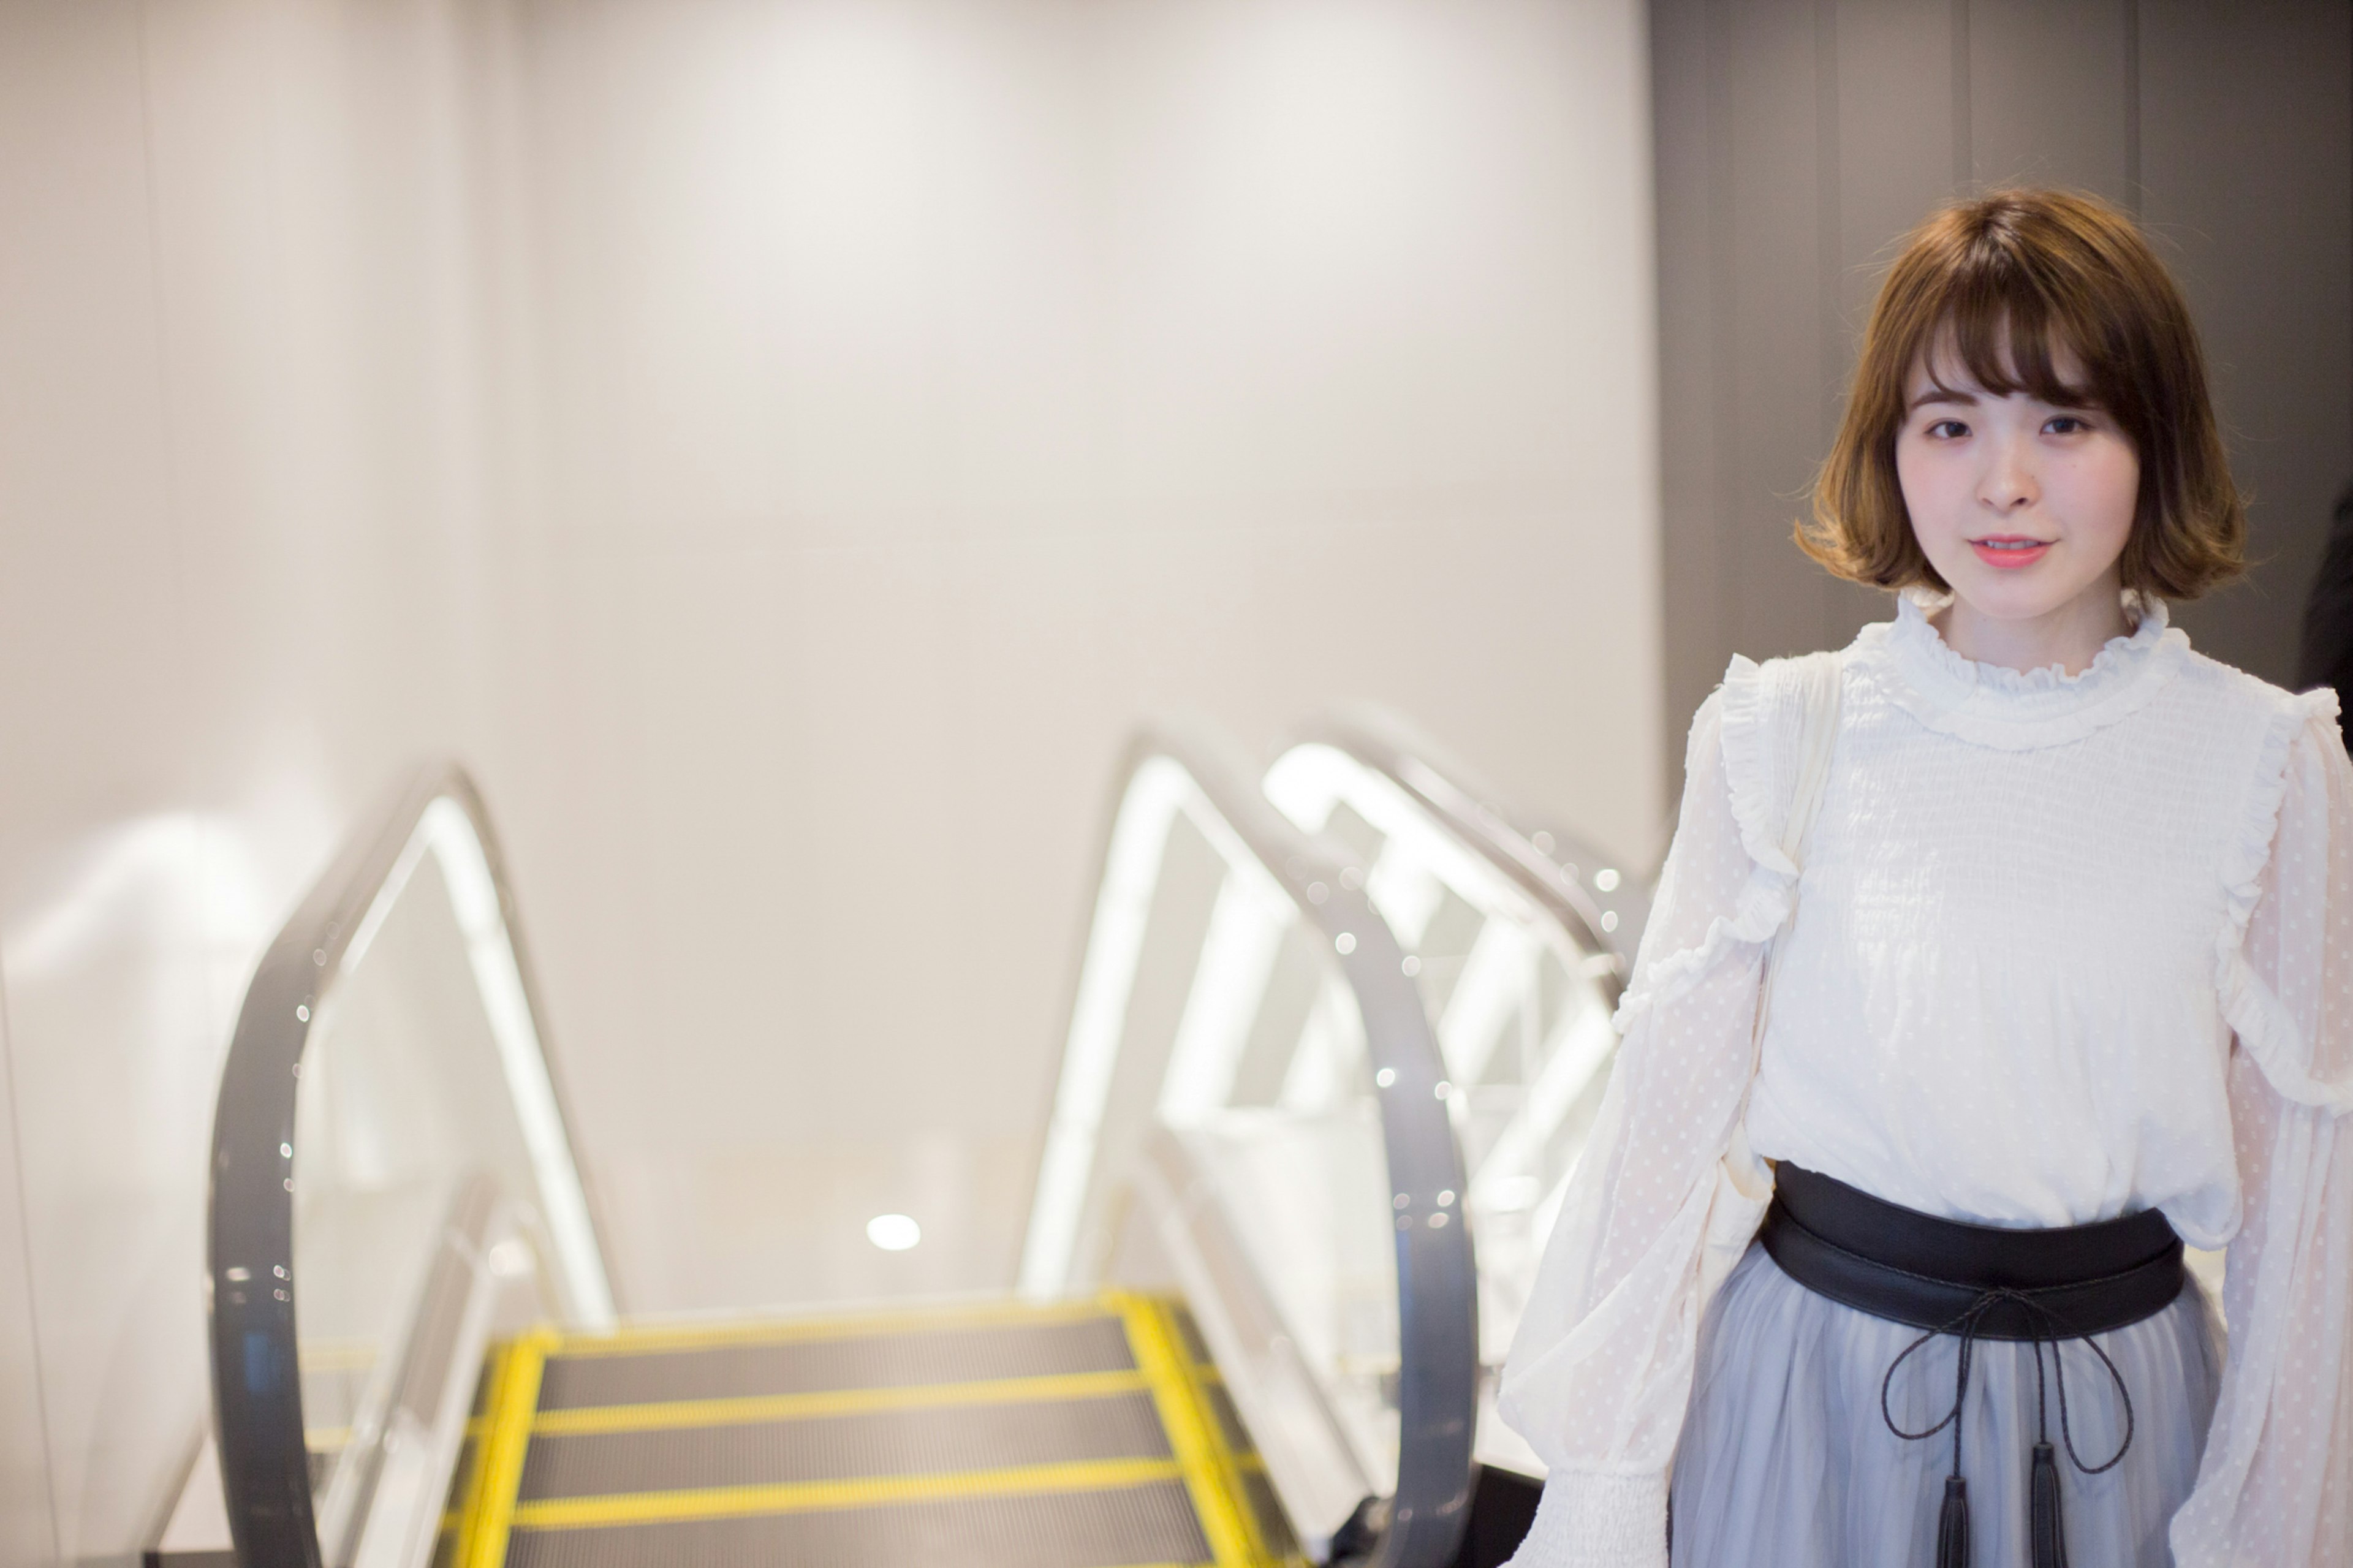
(1786, 1462)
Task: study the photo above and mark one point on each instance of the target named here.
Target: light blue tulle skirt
(1786, 1462)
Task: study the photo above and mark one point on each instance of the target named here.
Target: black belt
(1979, 1283)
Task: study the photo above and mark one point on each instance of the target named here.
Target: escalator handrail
(1394, 749)
(1438, 1317)
(250, 1290)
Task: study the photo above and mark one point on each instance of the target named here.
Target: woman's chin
(2022, 593)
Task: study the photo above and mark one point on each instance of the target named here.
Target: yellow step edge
(1227, 1518)
(459, 1518)
(655, 1339)
(1205, 1462)
(470, 1493)
(514, 1397)
(865, 1492)
(744, 1410)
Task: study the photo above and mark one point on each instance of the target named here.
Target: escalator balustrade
(1247, 1328)
(1521, 937)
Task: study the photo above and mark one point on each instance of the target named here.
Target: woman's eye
(1947, 430)
(2066, 424)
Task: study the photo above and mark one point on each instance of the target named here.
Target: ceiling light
(893, 1232)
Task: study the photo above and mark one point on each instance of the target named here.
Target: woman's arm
(1656, 1212)
(2276, 1487)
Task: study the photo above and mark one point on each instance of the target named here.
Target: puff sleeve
(2275, 1486)
(1665, 1197)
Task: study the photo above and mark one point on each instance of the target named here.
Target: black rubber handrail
(250, 1294)
(1437, 1303)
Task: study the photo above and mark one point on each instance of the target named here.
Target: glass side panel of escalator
(1219, 1128)
(433, 1200)
(1520, 977)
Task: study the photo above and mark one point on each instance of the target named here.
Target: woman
(2066, 980)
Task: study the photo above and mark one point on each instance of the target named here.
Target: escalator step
(917, 1442)
(1084, 1434)
(853, 1356)
(1152, 1524)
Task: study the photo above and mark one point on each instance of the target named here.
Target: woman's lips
(2010, 551)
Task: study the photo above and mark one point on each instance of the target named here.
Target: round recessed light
(893, 1232)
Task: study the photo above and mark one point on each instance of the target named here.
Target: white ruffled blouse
(2065, 947)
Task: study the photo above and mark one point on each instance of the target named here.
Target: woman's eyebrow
(1945, 394)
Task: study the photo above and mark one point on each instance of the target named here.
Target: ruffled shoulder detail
(2266, 1029)
(1754, 750)
(1759, 715)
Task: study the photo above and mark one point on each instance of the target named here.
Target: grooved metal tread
(1153, 1524)
(827, 1356)
(1081, 1435)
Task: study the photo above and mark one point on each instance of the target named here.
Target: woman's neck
(2070, 636)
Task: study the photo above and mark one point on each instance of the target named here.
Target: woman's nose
(2008, 482)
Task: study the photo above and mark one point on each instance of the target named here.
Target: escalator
(1249, 1327)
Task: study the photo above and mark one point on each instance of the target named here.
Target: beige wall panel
(1895, 145)
(2247, 152)
(239, 497)
(1774, 222)
(2051, 94)
(27, 1520)
(28, 1526)
(1691, 154)
(930, 392)
(111, 1029)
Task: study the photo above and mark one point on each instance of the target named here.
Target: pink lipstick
(2010, 551)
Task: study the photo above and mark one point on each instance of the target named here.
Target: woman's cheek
(2117, 496)
(1927, 502)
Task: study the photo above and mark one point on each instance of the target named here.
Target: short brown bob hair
(1999, 286)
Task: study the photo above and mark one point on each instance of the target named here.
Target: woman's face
(2022, 506)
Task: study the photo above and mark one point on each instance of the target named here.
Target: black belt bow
(1980, 1283)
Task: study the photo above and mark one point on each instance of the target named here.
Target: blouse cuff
(1590, 1521)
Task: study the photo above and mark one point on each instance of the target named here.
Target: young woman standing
(1996, 955)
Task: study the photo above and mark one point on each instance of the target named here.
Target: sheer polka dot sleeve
(1663, 1200)
(2277, 1484)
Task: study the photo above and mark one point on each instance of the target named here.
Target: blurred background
(784, 447)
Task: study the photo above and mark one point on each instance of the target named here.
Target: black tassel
(1953, 1525)
(2043, 1494)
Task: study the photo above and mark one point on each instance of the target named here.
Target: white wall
(783, 445)
(930, 389)
(248, 495)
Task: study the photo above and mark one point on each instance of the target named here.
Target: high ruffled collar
(2014, 710)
